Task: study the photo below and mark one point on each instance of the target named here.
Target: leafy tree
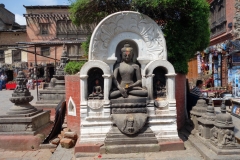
(184, 22)
(73, 67)
(85, 45)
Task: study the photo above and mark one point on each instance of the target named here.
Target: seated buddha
(127, 70)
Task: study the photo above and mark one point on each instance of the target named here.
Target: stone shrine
(126, 49)
(197, 112)
(55, 92)
(23, 117)
(206, 121)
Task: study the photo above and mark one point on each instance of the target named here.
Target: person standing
(1, 81)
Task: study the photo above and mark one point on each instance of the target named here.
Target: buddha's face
(127, 56)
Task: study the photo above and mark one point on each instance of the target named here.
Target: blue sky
(16, 6)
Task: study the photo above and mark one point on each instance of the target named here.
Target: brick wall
(230, 13)
(72, 86)
(180, 86)
(10, 38)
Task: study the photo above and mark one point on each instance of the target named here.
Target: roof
(53, 42)
(48, 7)
(15, 30)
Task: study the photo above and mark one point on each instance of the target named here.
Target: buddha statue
(96, 91)
(159, 89)
(127, 70)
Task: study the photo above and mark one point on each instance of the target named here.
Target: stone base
(172, 145)
(208, 150)
(116, 142)
(21, 142)
(87, 147)
(45, 107)
(24, 125)
(53, 96)
(95, 129)
(129, 148)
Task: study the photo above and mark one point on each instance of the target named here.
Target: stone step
(125, 141)
(136, 148)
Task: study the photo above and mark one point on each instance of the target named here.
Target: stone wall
(72, 86)
(180, 99)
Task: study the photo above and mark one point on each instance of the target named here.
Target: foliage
(73, 67)
(184, 22)
(85, 45)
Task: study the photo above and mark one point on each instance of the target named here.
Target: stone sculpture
(197, 112)
(159, 89)
(223, 130)
(127, 70)
(96, 91)
(128, 102)
(206, 122)
(63, 61)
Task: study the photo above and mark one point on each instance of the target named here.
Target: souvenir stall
(214, 73)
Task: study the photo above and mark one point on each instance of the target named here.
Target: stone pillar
(107, 87)
(83, 96)
(143, 63)
(171, 86)
(111, 62)
(149, 84)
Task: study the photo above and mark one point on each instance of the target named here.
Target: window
(43, 28)
(16, 56)
(218, 17)
(2, 56)
(45, 51)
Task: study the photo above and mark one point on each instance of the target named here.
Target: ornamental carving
(128, 22)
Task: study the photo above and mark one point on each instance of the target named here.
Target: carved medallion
(130, 123)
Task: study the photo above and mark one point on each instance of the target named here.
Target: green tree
(73, 67)
(184, 22)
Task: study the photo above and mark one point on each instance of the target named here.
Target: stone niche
(150, 53)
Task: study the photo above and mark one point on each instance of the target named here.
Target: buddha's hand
(123, 92)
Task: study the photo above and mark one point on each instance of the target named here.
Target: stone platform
(117, 143)
(203, 147)
(24, 125)
(22, 141)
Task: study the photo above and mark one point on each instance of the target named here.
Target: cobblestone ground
(42, 154)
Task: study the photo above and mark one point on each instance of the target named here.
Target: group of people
(3, 81)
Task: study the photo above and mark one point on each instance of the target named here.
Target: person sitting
(197, 89)
(127, 70)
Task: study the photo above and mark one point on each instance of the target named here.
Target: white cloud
(20, 19)
(44, 2)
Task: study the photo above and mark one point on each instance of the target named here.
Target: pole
(55, 60)
(35, 66)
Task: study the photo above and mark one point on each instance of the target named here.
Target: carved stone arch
(127, 25)
(95, 64)
(170, 77)
(159, 63)
(107, 74)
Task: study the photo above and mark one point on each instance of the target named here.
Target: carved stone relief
(132, 22)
